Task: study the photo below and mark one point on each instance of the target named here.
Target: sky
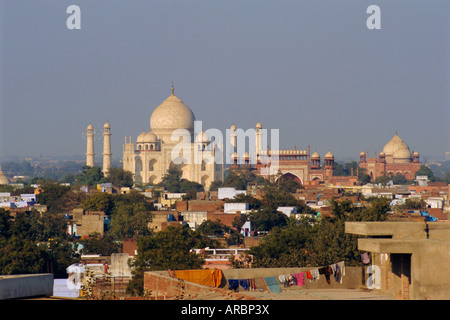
(312, 69)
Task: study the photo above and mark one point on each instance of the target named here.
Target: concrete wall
(24, 286)
(416, 256)
(164, 286)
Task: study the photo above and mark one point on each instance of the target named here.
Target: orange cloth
(205, 277)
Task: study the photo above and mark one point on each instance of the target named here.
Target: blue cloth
(273, 284)
(244, 283)
(234, 284)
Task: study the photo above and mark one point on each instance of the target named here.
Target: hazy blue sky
(309, 68)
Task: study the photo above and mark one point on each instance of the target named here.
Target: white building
(155, 151)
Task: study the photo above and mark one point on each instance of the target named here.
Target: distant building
(395, 158)
(300, 165)
(152, 154)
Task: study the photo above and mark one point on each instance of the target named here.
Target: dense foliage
(168, 249)
(316, 242)
(32, 243)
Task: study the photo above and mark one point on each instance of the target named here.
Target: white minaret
(258, 141)
(90, 146)
(106, 148)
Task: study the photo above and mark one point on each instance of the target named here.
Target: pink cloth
(300, 278)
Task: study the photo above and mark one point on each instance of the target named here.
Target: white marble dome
(170, 115)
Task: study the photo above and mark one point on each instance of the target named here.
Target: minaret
(90, 146)
(258, 142)
(106, 148)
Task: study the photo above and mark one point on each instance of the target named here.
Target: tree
(213, 228)
(120, 177)
(34, 244)
(167, 249)
(130, 221)
(173, 182)
(238, 178)
(51, 196)
(426, 171)
(97, 244)
(277, 197)
(245, 198)
(99, 201)
(289, 184)
(90, 176)
(317, 242)
(267, 219)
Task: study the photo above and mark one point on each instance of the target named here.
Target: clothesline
(335, 270)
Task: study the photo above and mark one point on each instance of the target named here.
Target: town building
(408, 258)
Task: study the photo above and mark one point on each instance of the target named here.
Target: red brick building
(395, 158)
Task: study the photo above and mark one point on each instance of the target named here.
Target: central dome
(170, 115)
(395, 145)
(397, 151)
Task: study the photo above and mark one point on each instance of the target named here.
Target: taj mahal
(152, 154)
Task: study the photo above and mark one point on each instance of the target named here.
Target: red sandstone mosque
(395, 158)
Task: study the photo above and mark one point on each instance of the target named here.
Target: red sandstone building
(300, 165)
(395, 158)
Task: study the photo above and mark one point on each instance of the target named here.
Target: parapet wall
(163, 286)
(25, 286)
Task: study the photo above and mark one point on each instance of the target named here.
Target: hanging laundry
(272, 284)
(252, 284)
(337, 274)
(315, 274)
(341, 266)
(365, 258)
(327, 271)
(205, 277)
(233, 284)
(282, 279)
(333, 267)
(308, 275)
(290, 279)
(300, 278)
(244, 284)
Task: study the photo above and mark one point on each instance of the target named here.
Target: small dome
(233, 127)
(150, 137)
(234, 155)
(315, 155)
(90, 127)
(246, 155)
(382, 154)
(141, 137)
(329, 155)
(202, 137)
(259, 125)
(107, 126)
(402, 155)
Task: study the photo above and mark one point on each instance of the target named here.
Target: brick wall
(129, 246)
(225, 218)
